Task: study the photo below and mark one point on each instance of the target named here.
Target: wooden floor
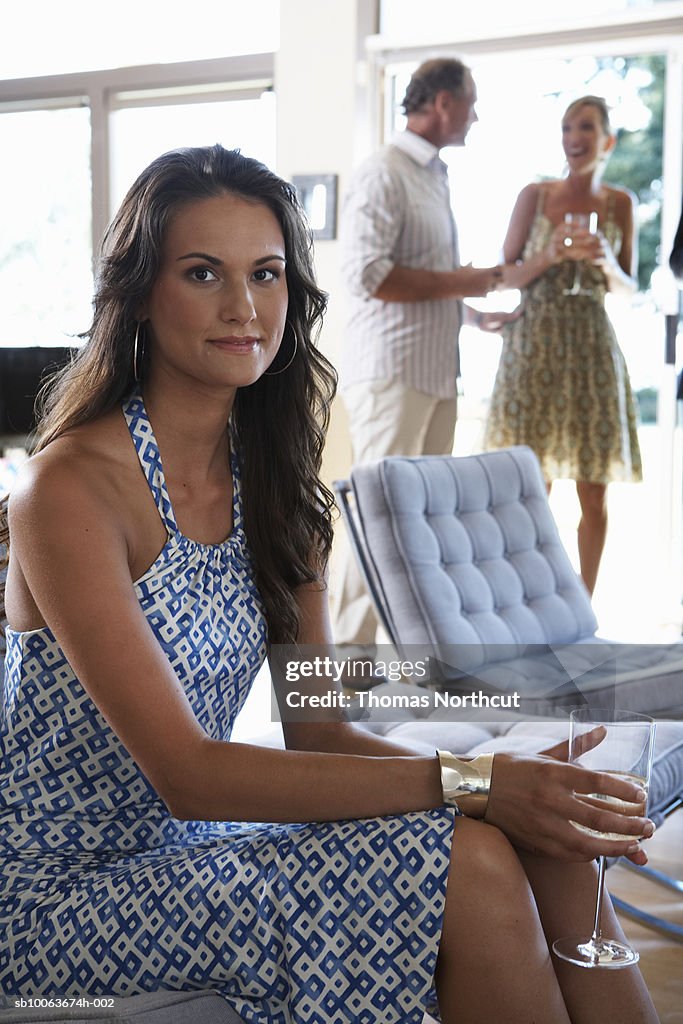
(661, 959)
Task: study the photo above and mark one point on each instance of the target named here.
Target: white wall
(321, 115)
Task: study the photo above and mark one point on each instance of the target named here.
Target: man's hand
(494, 322)
(476, 282)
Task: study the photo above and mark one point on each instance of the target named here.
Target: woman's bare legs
(565, 895)
(592, 529)
(494, 963)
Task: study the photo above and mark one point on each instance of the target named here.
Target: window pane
(398, 18)
(139, 134)
(48, 38)
(45, 260)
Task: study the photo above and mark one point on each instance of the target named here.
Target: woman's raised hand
(603, 254)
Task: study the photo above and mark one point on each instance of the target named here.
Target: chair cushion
(467, 552)
(549, 678)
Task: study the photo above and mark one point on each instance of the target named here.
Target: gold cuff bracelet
(466, 781)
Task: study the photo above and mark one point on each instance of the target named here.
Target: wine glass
(588, 221)
(625, 751)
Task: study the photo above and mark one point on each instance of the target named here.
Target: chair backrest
(465, 551)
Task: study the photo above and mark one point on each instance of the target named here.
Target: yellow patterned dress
(562, 386)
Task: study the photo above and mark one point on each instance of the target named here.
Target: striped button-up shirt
(397, 212)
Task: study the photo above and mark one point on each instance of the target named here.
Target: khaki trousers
(385, 418)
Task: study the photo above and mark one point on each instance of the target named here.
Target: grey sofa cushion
(637, 677)
(154, 1008)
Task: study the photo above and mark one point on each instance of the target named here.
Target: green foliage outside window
(636, 162)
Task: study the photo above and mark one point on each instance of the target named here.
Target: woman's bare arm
(518, 273)
(539, 797)
(621, 271)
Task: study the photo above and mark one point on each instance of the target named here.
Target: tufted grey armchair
(463, 559)
(464, 563)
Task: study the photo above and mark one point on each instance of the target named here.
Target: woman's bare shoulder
(82, 466)
(530, 194)
(538, 195)
(623, 198)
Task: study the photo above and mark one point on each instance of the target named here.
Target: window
(452, 21)
(76, 143)
(45, 263)
(140, 133)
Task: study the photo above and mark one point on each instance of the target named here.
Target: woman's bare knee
(485, 871)
(593, 499)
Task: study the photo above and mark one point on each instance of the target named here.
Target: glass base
(600, 953)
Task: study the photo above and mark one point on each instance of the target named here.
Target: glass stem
(597, 935)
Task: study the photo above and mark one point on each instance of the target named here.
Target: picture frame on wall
(318, 196)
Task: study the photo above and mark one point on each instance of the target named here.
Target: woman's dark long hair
(278, 423)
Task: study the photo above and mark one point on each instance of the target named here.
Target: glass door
(522, 96)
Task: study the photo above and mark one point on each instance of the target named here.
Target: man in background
(401, 265)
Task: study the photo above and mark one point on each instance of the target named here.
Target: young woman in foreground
(170, 531)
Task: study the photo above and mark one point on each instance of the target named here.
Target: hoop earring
(274, 373)
(138, 353)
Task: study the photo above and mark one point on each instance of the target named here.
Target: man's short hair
(432, 77)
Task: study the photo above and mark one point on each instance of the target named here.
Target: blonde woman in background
(562, 385)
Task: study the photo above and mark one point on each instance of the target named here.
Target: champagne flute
(588, 221)
(625, 751)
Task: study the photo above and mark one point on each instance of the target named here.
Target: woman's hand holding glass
(581, 244)
(580, 237)
(589, 740)
(619, 744)
(536, 800)
(574, 242)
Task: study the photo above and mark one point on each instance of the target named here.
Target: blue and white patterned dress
(103, 892)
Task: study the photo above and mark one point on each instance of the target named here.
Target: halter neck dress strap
(609, 213)
(540, 199)
(150, 460)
